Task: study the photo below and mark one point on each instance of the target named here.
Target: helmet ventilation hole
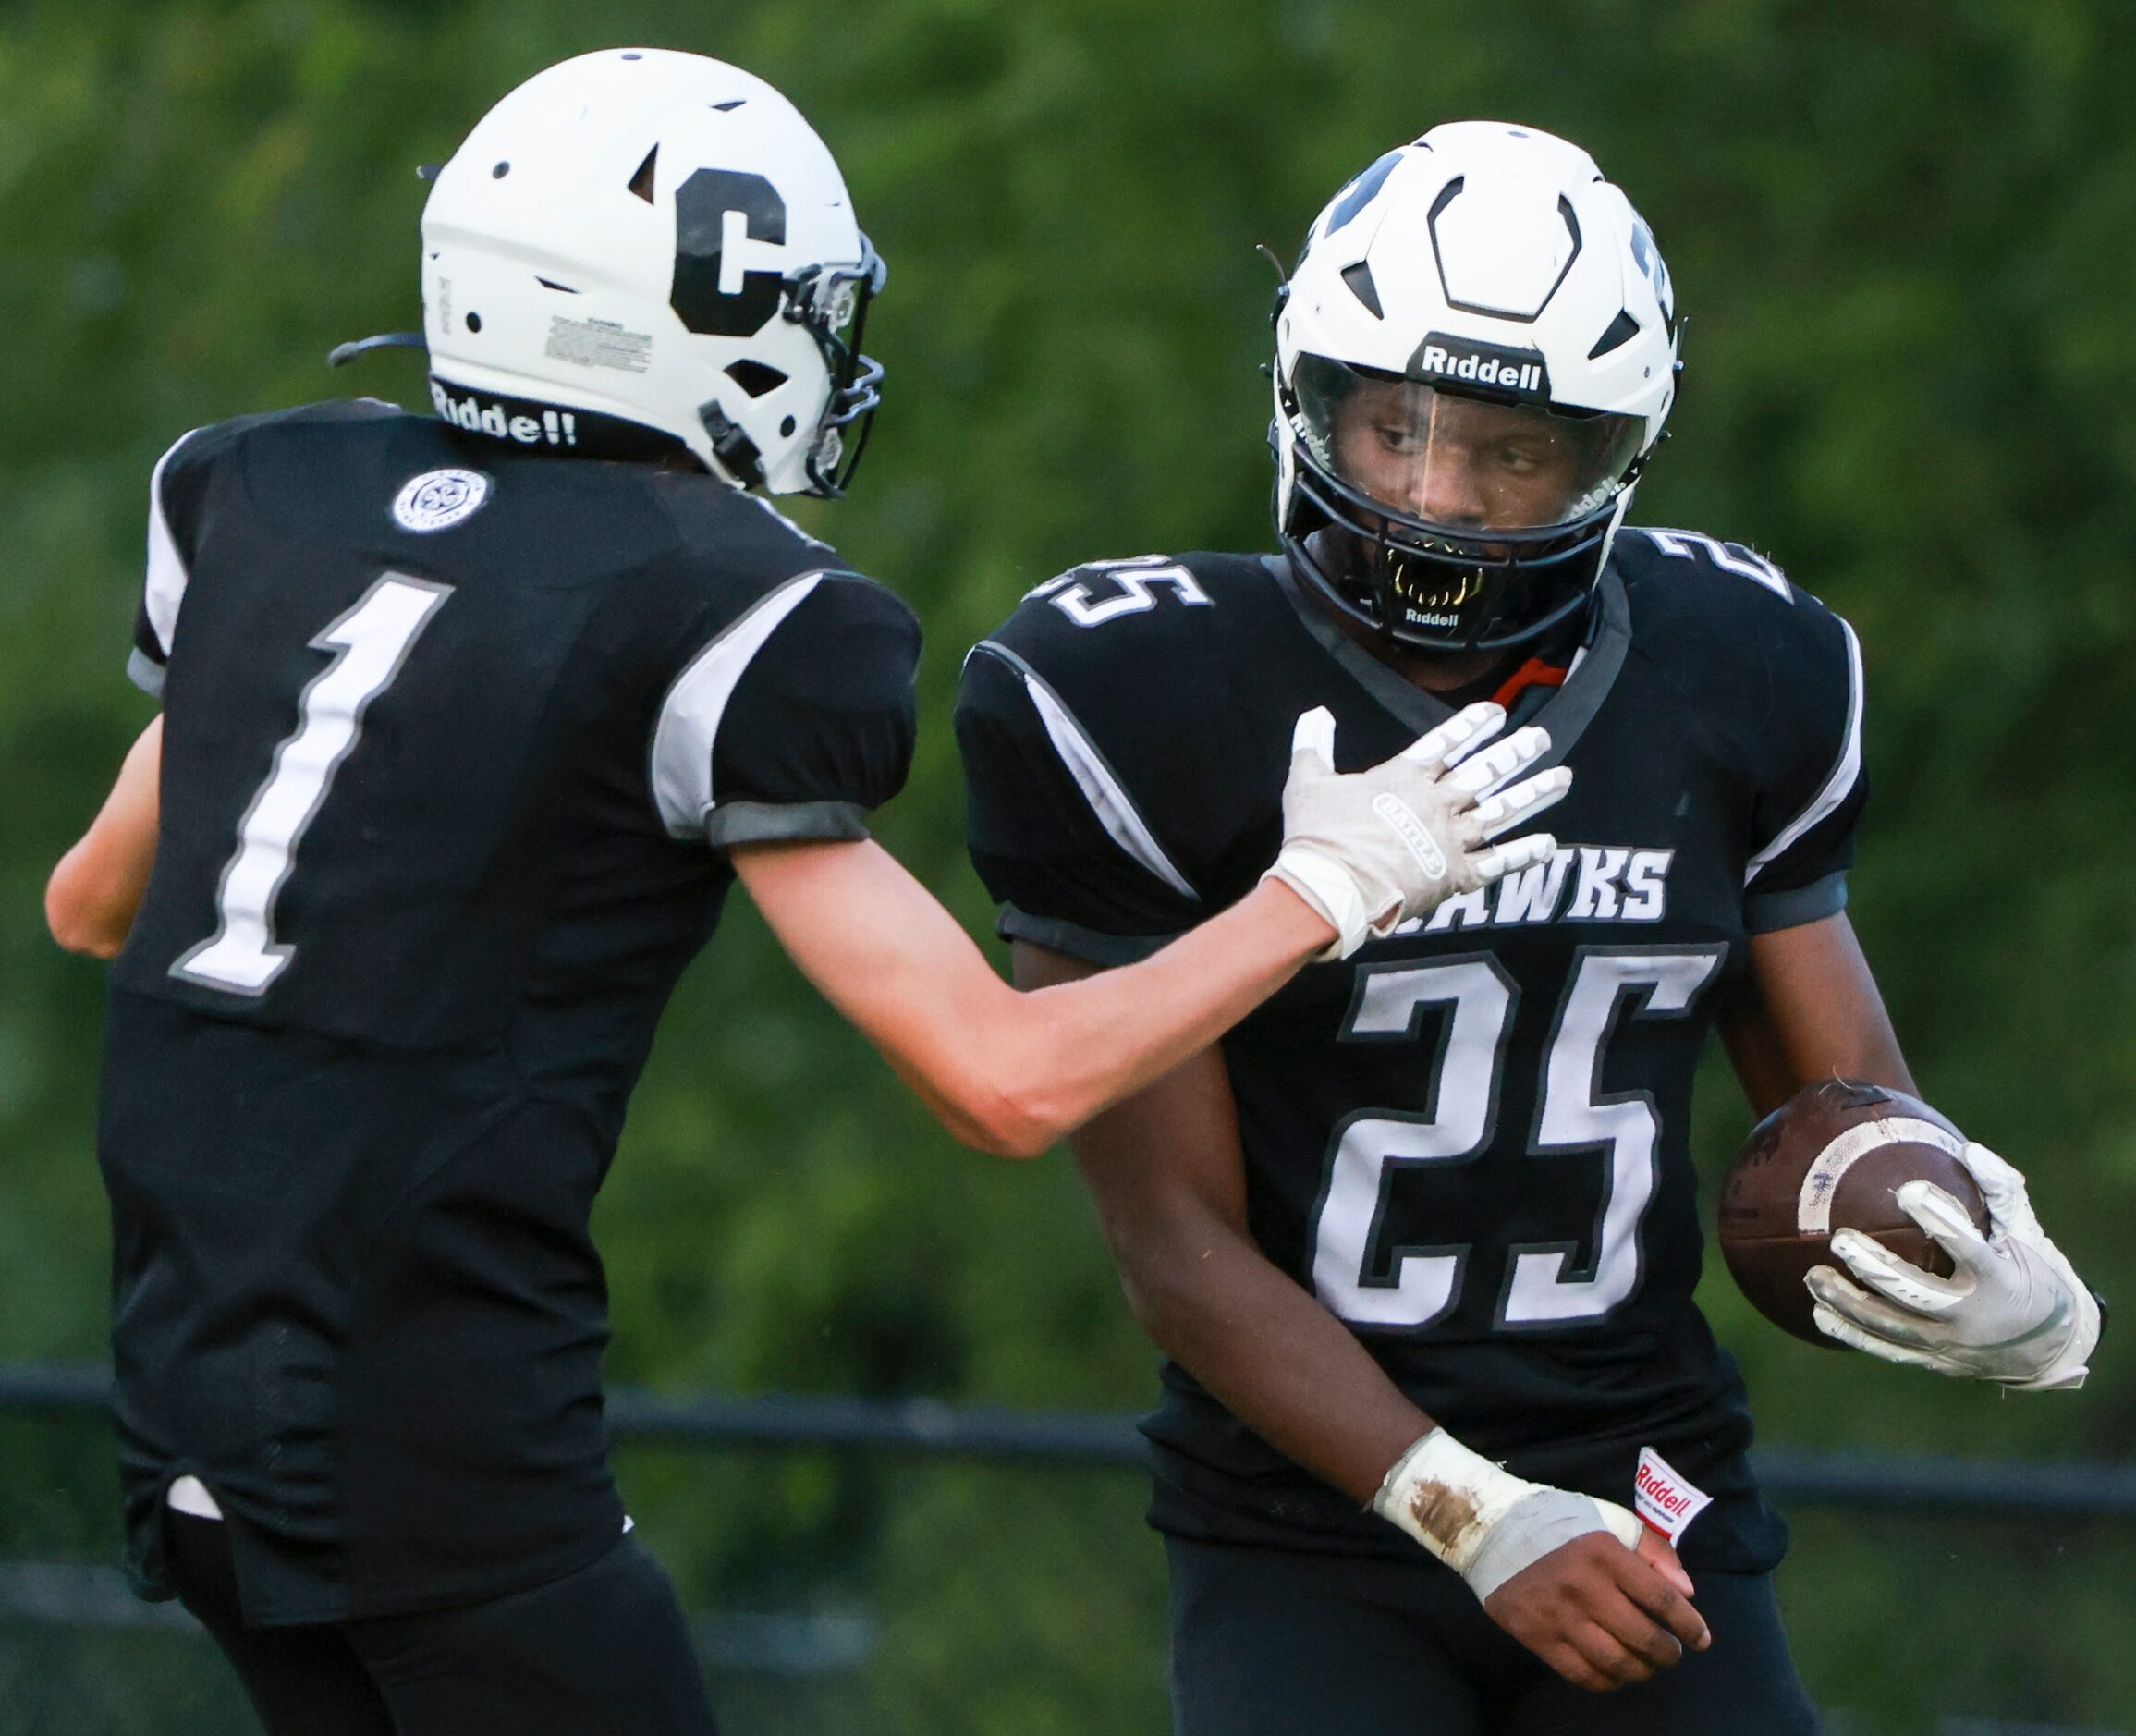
(642, 182)
(785, 427)
(1359, 278)
(1622, 330)
(756, 378)
(474, 321)
(499, 173)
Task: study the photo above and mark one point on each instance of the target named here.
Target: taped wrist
(1481, 1520)
(1537, 1523)
(1332, 889)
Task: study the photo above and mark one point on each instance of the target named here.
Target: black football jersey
(456, 739)
(1470, 1140)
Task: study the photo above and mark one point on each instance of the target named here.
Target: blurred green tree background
(1903, 235)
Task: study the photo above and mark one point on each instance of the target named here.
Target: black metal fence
(1890, 1483)
(70, 1631)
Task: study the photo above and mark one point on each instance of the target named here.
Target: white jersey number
(1733, 558)
(1423, 1284)
(372, 640)
(1138, 581)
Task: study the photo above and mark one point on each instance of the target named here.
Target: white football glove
(1483, 1521)
(2014, 1311)
(1370, 849)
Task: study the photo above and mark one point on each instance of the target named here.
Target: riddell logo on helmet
(548, 427)
(1484, 367)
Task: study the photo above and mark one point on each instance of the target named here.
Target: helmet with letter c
(638, 252)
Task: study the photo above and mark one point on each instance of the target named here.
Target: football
(1834, 1155)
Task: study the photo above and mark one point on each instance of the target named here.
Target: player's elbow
(1004, 1122)
(79, 921)
(998, 1110)
(998, 1092)
(91, 939)
(1165, 1270)
(1165, 1300)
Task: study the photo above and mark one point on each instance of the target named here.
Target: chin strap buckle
(737, 453)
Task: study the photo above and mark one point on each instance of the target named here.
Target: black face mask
(1458, 520)
(817, 298)
(1438, 593)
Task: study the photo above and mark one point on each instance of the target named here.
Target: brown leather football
(1834, 1155)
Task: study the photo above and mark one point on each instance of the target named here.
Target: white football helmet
(640, 250)
(1474, 358)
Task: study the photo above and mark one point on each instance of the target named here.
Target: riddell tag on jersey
(438, 499)
(1664, 1498)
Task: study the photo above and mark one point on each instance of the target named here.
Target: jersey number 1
(1542, 1285)
(370, 642)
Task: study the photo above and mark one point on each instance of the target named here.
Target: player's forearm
(1006, 1072)
(1271, 1354)
(1075, 1048)
(1809, 1008)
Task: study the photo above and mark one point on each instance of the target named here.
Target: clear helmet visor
(1458, 463)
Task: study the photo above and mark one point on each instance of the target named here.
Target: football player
(1419, 1235)
(469, 725)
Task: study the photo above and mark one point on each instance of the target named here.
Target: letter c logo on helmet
(657, 247)
(1474, 358)
(710, 295)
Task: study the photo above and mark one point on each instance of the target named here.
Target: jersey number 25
(1542, 1285)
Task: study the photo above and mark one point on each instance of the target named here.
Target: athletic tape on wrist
(1481, 1520)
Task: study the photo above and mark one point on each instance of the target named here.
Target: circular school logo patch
(438, 499)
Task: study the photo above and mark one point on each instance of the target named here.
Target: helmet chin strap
(1623, 507)
(737, 453)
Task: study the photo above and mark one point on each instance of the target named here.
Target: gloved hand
(2014, 1311)
(1370, 849)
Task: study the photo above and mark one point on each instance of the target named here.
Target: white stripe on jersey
(165, 587)
(1110, 801)
(688, 726)
(190, 1495)
(1845, 774)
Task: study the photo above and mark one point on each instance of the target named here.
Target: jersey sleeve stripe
(165, 587)
(690, 716)
(1101, 787)
(785, 822)
(145, 673)
(1767, 913)
(1845, 774)
(1076, 941)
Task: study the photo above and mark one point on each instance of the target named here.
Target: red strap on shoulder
(1533, 673)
